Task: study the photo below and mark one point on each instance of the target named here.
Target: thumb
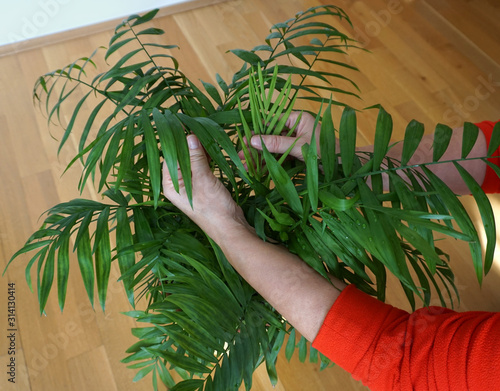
(199, 162)
(279, 144)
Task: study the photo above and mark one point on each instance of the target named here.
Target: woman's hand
(213, 209)
(303, 134)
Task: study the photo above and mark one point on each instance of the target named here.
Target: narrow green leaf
(229, 273)
(422, 219)
(256, 105)
(302, 345)
(442, 137)
(311, 159)
(486, 212)
(278, 122)
(469, 138)
(136, 87)
(212, 91)
(71, 123)
(313, 355)
(421, 244)
(271, 370)
(103, 264)
(141, 226)
(247, 56)
(84, 224)
(383, 236)
(189, 364)
(117, 36)
(298, 54)
(144, 18)
(272, 87)
(143, 372)
(88, 125)
(193, 347)
(27, 273)
(222, 84)
(461, 217)
(274, 35)
(311, 50)
(203, 99)
(86, 264)
(290, 346)
(96, 149)
(339, 63)
(116, 46)
(63, 267)
(27, 248)
(183, 157)
(168, 147)
(151, 31)
(325, 362)
(347, 139)
(165, 376)
(424, 283)
(101, 227)
(126, 159)
(328, 144)
(324, 26)
(124, 240)
(495, 140)
(188, 385)
(47, 278)
(300, 244)
(110, 157)
(210, 133)
(282, 181)
(153, 156)
(383, 132)
(60, 100)
(119, 73)
(413, 135)
(318, 31)
(336, 203)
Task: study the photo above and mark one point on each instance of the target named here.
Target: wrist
(227, 231)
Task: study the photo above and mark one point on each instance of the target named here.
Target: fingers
(199, 162)
(199, 166)
(297, 116)
(279, 144)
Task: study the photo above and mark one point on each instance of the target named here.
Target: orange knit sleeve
(432, 349)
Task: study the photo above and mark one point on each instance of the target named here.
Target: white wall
(26, 19)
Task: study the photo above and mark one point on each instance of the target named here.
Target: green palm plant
(321, 209)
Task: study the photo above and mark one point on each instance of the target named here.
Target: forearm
(297, 292)
(446, 171)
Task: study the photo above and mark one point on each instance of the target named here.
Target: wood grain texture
(436, 61)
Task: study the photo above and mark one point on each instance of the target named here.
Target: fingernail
(255, 141)
(193, 142)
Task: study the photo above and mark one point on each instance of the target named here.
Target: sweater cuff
(351, 326)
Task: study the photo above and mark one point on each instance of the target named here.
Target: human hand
(302, 135)
(213, 209)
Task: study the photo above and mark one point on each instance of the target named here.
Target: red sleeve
(491, 183)
(432, 349)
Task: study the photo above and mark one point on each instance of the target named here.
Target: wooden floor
(433, 60)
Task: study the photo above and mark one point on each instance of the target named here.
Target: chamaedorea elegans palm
(321, 209)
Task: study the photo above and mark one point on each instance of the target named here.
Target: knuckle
(273, 144)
